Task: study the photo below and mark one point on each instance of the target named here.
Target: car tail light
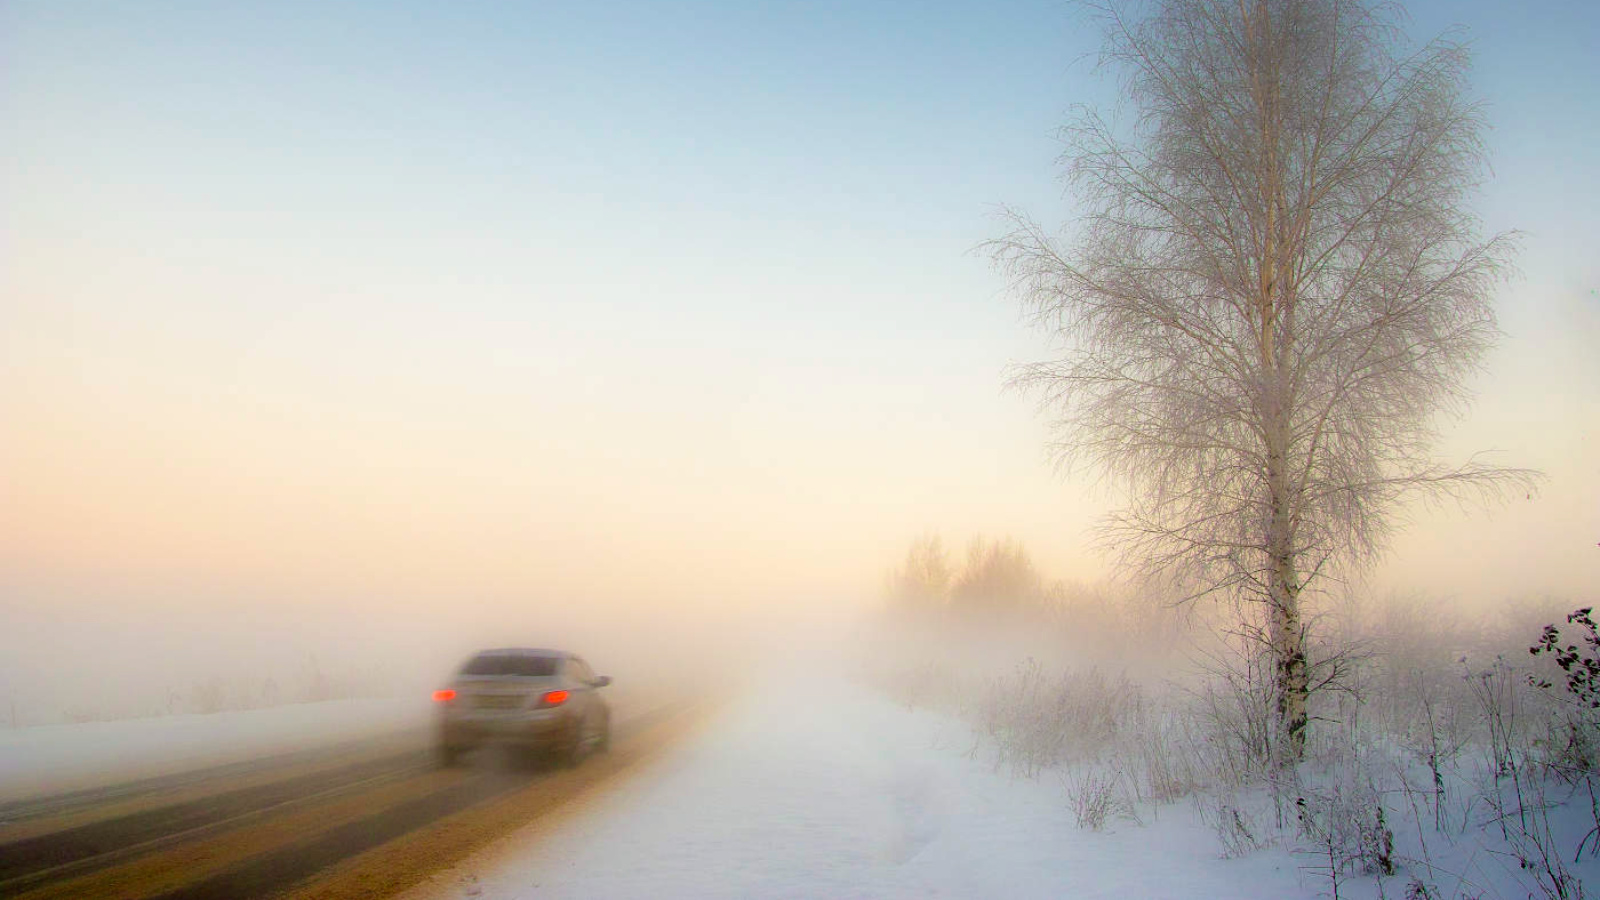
(553, 698)
(444, 696)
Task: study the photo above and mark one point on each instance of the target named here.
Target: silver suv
(544, 700)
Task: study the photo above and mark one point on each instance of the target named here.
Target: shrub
(1097, 797)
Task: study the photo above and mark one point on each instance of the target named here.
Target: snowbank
(49, 758)
(824, 790)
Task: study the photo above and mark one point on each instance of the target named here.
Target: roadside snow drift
(820, 789)
(45, 759)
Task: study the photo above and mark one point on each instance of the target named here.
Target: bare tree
(922, 583)
(1276, 289)
(999, 578)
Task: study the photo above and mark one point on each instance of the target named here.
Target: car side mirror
(601, 681)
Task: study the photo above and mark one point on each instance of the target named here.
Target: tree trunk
(1289, 657)
(1286, 632)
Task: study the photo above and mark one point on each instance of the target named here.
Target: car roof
(528, 651)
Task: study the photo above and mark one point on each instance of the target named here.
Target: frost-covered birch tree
(1276, 288)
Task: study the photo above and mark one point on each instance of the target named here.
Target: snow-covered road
(823, 789)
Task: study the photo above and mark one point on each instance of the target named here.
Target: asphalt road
(365, 819)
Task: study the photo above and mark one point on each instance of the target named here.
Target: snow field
(823, 789)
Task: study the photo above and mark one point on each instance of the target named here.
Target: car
(536, 701)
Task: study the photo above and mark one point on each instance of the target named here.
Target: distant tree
(922, 583)
(998, 578)
(1276, 287)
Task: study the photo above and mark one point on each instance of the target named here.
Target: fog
(316, 402)
(147, 557)
(132, 660)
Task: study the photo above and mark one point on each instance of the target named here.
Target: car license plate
(495, 701)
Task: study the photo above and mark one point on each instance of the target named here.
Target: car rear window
(501, 664)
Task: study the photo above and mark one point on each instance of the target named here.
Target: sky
(426, 310)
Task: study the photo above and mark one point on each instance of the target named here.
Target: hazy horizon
(366, 317)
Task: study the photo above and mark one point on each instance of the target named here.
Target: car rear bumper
(532, 729)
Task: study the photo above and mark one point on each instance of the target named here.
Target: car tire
(570, 753)
(448, 756)
(603, 745)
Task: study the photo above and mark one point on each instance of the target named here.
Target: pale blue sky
(693, 279)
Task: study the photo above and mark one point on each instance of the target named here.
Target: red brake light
(444, 696)
(555, 698)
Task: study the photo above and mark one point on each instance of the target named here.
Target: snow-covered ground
(822, 788)
(816, 787)
(45, 759)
